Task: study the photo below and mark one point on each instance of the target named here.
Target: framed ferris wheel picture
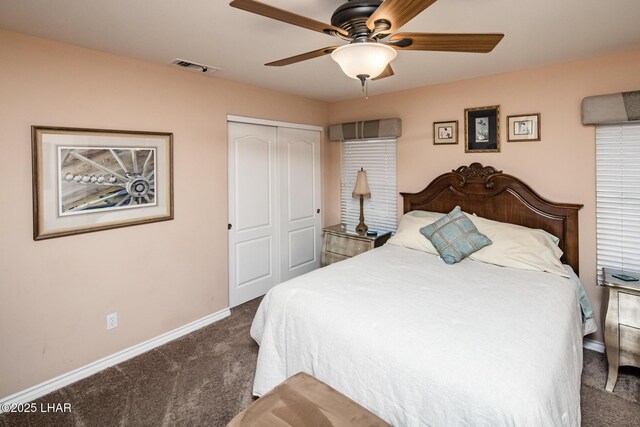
(93, 179)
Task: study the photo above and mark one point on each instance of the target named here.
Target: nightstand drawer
(330, 258)
(629, 309)
(346, 246)
(629, 346)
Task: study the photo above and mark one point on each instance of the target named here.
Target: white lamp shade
(368, 59)
(362, 185)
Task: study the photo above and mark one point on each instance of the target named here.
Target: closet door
(299, 194)
(253, 246)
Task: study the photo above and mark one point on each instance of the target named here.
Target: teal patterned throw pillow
(454, 236)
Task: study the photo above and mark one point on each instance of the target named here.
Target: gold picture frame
(88, 180)
(523, 127)
(445, 133)
(482, 129)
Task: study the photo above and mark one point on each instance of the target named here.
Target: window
(618, 196)
(378, 158)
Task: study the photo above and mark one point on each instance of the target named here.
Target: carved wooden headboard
(489, 193)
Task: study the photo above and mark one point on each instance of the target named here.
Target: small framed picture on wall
(523, 127)
(445, 132)
(482, 129)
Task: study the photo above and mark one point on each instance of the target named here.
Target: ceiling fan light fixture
(363, 59)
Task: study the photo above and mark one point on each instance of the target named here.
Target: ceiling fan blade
(303, 56)
(286, 16)
(475, 43)
(396, 13)
(388, 72)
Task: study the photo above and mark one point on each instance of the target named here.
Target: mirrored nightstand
(339, 244)
(622, 323)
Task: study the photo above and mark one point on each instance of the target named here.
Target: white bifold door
(274, 207)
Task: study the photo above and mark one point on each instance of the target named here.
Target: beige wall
(561, 167)
(54, 294)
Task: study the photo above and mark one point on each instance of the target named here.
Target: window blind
(618, 196)
(378, 158)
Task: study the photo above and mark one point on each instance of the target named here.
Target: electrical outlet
(112, 321)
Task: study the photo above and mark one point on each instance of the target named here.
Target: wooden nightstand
(622, 323)
(339, 244)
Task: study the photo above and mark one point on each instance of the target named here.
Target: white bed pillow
(427, 214)
(408, 234)
(513, 245)
(518, 247)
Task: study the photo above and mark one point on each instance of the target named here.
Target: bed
(420, 342)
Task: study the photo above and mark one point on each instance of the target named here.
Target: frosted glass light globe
(368, 59)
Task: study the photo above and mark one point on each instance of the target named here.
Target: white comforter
(420, 342)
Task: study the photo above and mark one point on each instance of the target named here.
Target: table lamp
(362, 189)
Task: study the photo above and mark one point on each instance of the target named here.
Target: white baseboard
(63, 380)
(593, 345)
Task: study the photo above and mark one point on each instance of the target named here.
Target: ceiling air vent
(195, 67)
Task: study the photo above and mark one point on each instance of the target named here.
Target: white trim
(593, 345)
(63, 380)
(252, 120)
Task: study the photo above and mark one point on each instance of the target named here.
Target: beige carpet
(204, 379)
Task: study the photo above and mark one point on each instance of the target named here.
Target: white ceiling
(537, 32)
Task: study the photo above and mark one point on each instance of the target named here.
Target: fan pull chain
(364, 79)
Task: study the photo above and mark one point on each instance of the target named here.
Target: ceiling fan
(368, 26)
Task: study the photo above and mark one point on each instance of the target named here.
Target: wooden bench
(302, 400)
